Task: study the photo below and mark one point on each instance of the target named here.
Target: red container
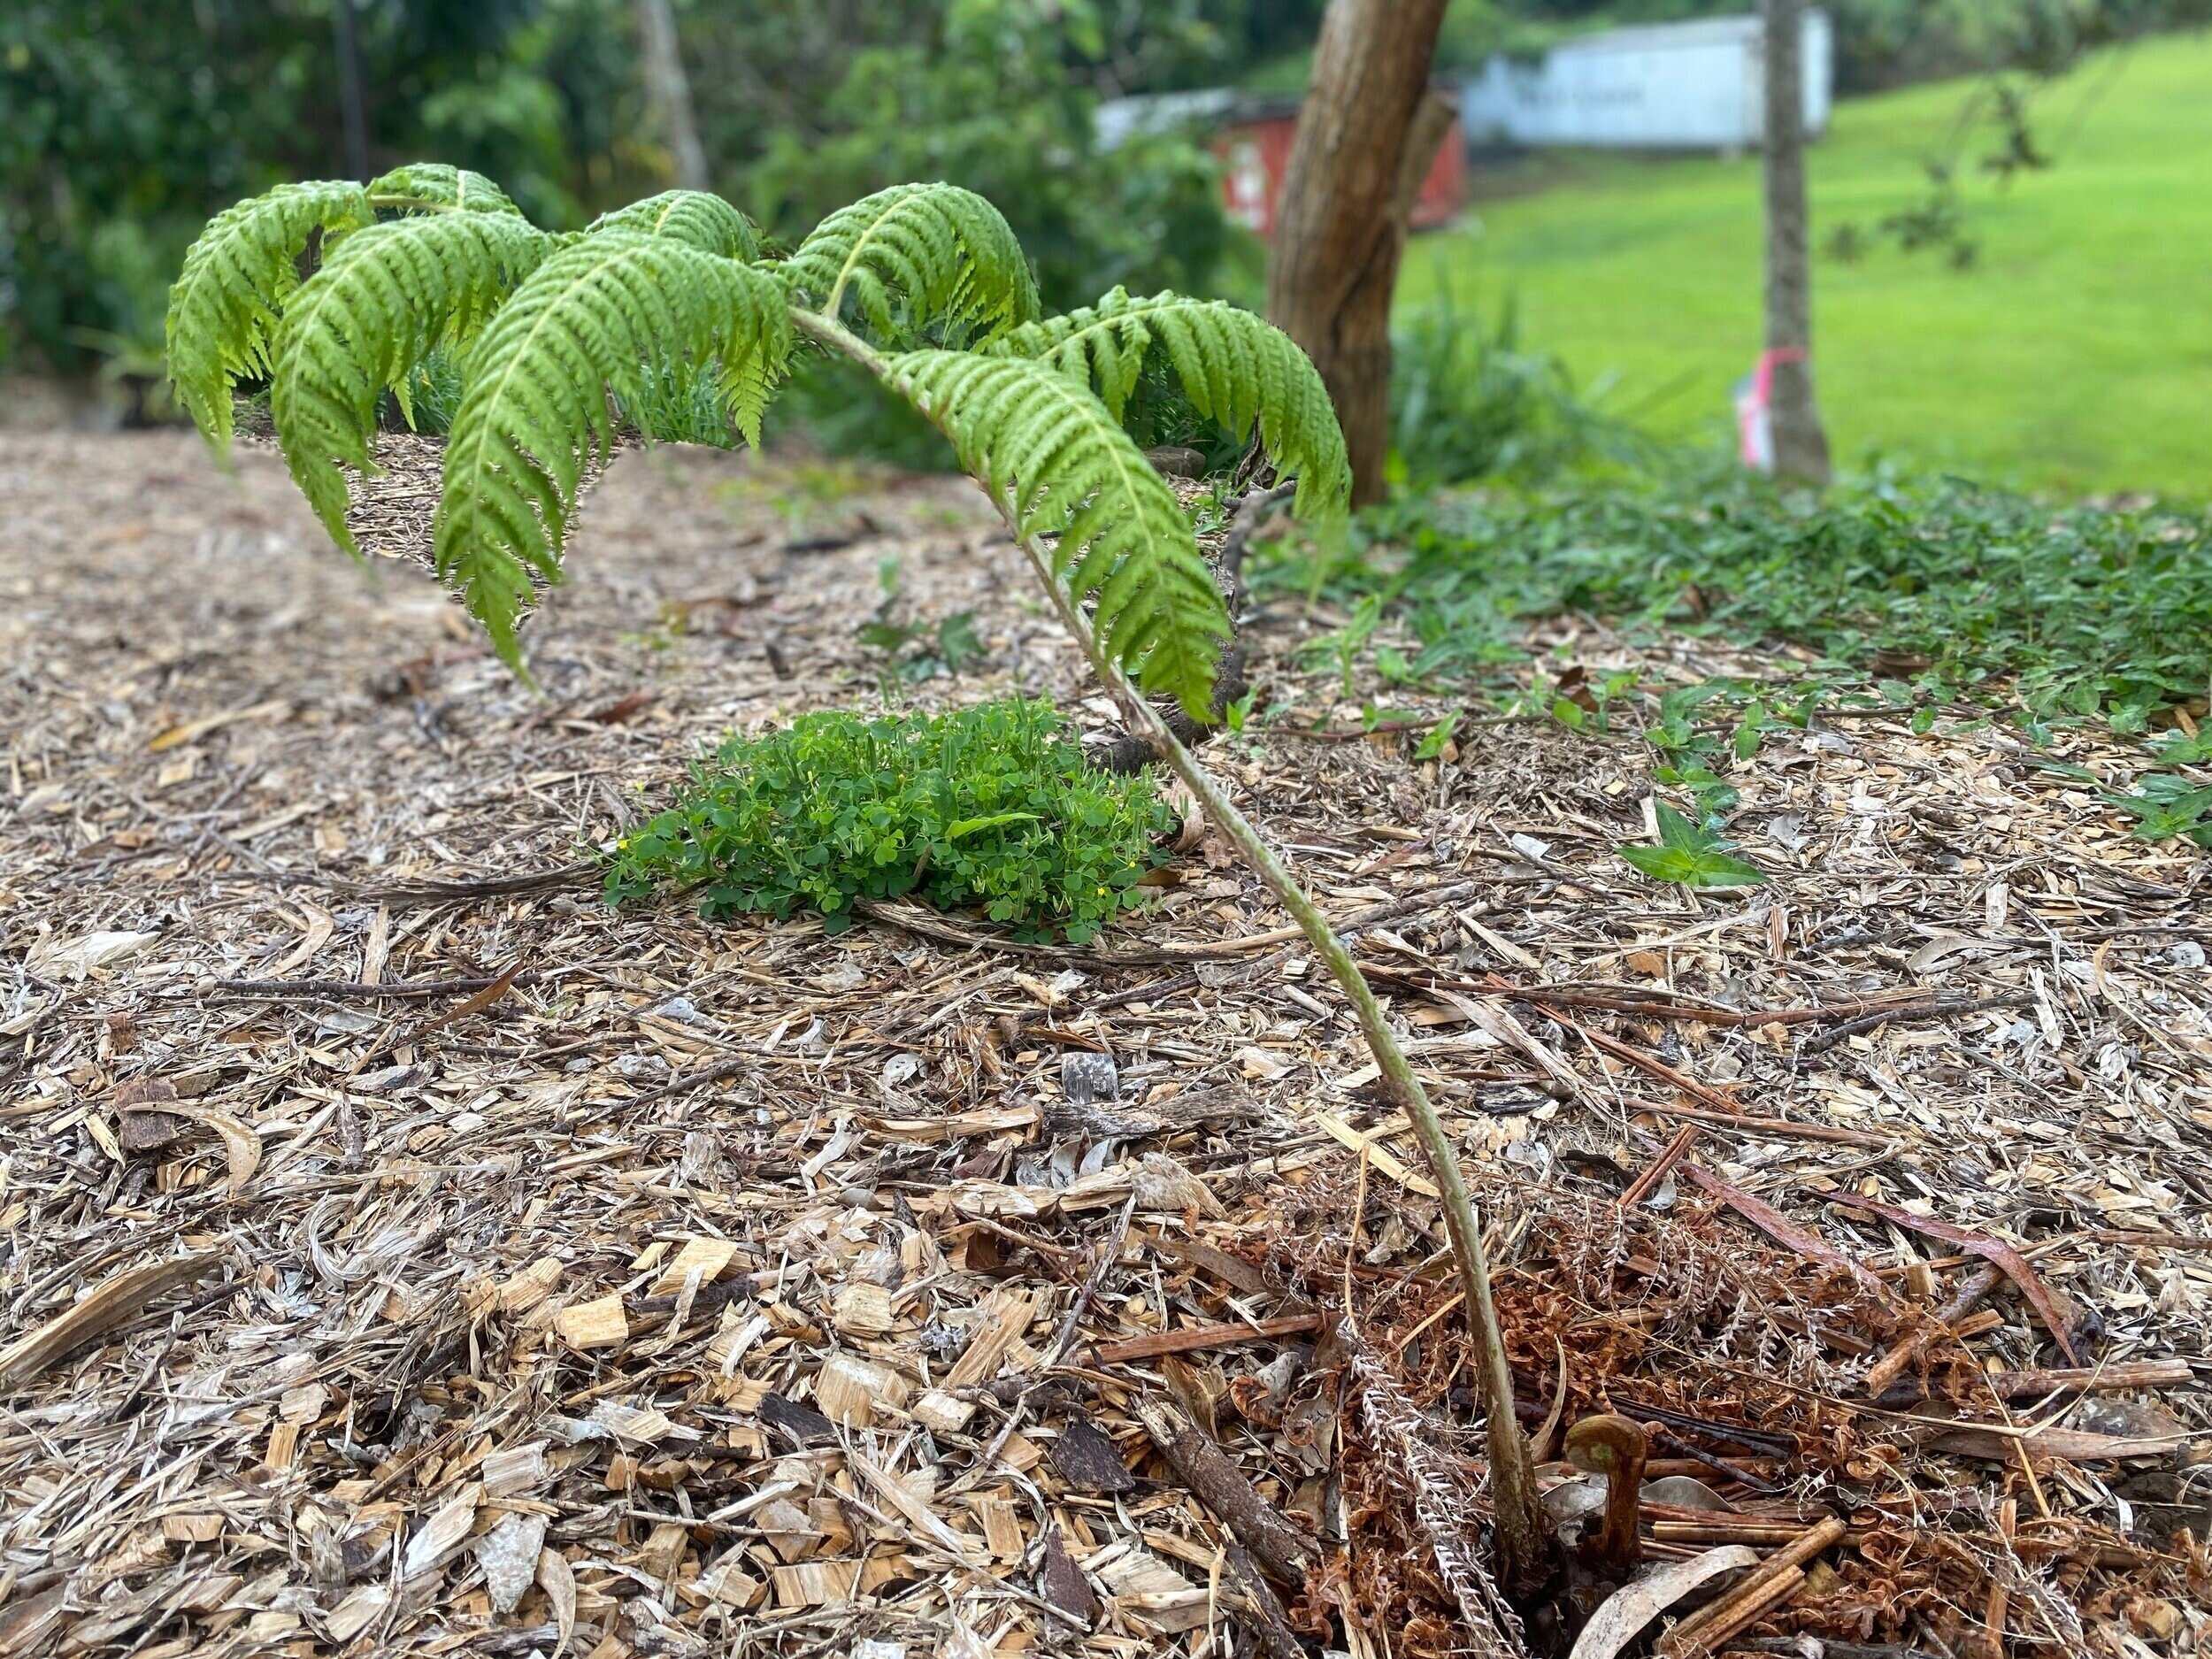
(1255, 152)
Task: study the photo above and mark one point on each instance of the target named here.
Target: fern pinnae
(238, 274)
(386, 295)
(1235, 366)
(945, 253)
(1048, 447)
(433, 186)
(536, 415)
(698, 217)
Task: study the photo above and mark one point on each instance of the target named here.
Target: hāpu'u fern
(914, 255)
(240, 271)
(533, 414)
(386, 295)
(555, 336)
(433, 186)
(237, 276)
(698, 217)
(1048, 449)
(1234, 368)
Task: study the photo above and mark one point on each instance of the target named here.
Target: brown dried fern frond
(1397, 1431)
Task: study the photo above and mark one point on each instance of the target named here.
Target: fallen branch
(1778, 1578)
(1720, 1109)
(1939, 1008)
(1281, 1548)
(1670, 1154)
(2031, 1385)
(1892, 1365)
(1197, 1337)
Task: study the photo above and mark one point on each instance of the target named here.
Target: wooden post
(1365, 137)
(1801, 446)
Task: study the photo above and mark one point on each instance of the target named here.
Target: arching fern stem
(1522, 1547)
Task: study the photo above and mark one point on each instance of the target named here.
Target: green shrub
(1468, 400)
(991, 806)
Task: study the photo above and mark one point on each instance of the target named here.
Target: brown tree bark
(668, 90)
(1366, 134)
(1800, 446)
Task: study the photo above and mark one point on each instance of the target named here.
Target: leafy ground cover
(2073, 354)
(1930, 587)
(1931, 597)
(991, 807)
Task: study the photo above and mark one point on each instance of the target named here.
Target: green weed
(1691, 854)
(991, 807)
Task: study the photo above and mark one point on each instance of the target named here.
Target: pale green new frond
(536, 416)
(1235, 367)
(422, 184)
(387, 295)
(935, 252)
(698, 217)
(1044, 445)
(224, 308)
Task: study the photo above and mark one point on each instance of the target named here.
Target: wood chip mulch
(401, 1253)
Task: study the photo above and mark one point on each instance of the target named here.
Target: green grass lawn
(2077, 355)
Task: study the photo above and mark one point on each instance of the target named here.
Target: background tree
(1365, 137)
(669, 90)
(1800, 446)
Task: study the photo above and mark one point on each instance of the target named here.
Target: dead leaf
(78, 957)
(477, 1003)
(1780, 1228)
(116, 1301)
(242, 1148)
(2057, 1316)
(1636, 1603)
(559, 1585)
(621, 709)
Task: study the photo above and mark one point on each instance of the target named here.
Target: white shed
(1670, 85)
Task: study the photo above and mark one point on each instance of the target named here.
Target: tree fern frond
(1235, 367)
(698, 217)
(1047, 446)
(387, 294)
(224, 308)
(432, 184)
(939, 253)
(536, 414)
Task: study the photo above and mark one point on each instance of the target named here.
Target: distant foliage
(999, 96)
(1469, 401)
(127, 124)
(990, 808)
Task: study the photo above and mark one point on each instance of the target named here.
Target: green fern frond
(1235, 367)
(386, 295)
(536, 415)
(1047, 446)
(935, 252)
(422, 186)
(224, 308)
(698, 217)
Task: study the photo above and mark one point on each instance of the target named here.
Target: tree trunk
(1801, 448)
(1366, 136)
(669, 92)
(353, 116)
